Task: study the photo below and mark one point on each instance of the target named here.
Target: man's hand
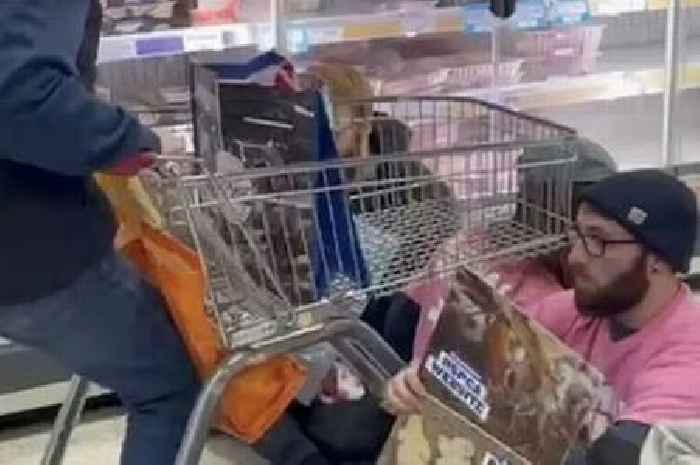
(405, 393)
(131, 166)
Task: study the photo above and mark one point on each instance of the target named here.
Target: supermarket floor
(98, 440)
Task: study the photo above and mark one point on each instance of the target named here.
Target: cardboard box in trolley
(502, 390)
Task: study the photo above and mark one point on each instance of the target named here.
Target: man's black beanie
(656, 208)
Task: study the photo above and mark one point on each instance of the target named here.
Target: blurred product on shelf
(435, 76)
(454, 63)
(305, 6)
(558, 51)
(210, 12)
(449, 3)
(427, 65)
(134, 16)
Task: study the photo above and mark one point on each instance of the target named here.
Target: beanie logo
(637, 216)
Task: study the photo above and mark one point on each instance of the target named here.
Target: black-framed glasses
(594, 245)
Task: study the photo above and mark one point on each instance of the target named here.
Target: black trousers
(352, 432)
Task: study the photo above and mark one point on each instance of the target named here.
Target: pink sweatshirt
(654, 372)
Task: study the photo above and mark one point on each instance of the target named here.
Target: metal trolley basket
(293, 251)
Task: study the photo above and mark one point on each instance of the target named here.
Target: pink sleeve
(557, 313)
(528, 280)
(666, 389)
(430, 296)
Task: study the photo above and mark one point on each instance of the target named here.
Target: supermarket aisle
(97, 441)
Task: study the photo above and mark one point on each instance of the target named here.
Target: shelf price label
(324, 35)
(301, 38)
(372, 30)
(197, 41)
(116, 48)
(416, 23)
(616, 7)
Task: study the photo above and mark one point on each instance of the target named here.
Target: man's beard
(620, 295)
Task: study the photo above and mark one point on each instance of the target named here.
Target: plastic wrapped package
(483, 75)
(634, 28)
(305, 6)
(342, 7)
(387, 55)
(259, 10)
(433, 65)
(210, 12)
(132, 16)
(569, 51)
(443, 79)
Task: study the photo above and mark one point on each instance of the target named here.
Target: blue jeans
(111, 327)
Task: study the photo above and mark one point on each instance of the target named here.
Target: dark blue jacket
(54, 134)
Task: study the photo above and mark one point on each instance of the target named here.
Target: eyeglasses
(594, 245)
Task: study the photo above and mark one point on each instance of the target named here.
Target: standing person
(64, 290)
(629, 313)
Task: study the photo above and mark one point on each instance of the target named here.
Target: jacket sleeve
(621, 444)
(49, 118)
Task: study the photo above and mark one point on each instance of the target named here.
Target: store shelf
(176, 41)
(663, 4)
(302, 33)
(623, 72)
(615, 7)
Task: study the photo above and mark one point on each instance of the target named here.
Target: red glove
(131, 166)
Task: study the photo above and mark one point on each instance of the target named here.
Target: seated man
(357, 428)
(629, 314)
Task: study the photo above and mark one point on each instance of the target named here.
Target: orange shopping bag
(257, 397)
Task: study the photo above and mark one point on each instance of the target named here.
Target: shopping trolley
(293, 251)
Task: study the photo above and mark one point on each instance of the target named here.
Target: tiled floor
(97, 441)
